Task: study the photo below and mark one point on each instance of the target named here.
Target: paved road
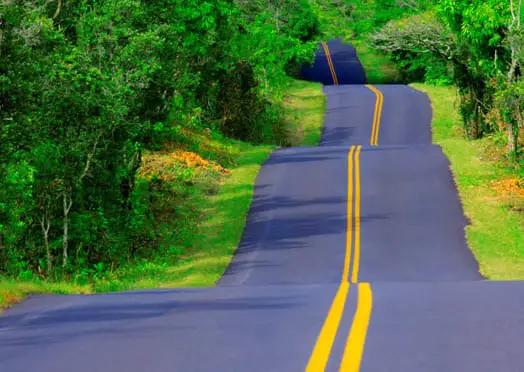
(344, 61)
(353, 255)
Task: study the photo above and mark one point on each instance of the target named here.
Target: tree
(510, 98)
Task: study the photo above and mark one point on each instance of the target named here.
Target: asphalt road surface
(353, 258)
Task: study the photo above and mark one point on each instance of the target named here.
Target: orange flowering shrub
(511, 186)
(194, 160)
(173, 165)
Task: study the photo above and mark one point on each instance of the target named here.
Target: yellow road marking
(326, 51)
(330, 63)
(356, 339)
(320, 355)
(357, 335)
(377, 116)
(326, 338)
(356, 250)
(349, 228)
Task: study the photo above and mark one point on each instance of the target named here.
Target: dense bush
(86, 86)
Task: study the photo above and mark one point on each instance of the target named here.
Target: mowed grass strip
(211, 239)
(490, 187)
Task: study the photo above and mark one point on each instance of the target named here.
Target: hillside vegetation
(131, 134)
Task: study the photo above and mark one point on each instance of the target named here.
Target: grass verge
(378, 67)
(13, 291)
(491, 189)
(305, 106)
(216, 205)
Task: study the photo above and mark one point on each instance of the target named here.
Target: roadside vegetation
(467, 56)
(132, 132)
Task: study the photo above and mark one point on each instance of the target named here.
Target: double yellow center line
(330, 62)
(377, 116)
(356, 337)
(357, 334)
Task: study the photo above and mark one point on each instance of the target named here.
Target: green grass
(305, 106)
(210, 237)
(379, 68)
(12, 291)
(483, 177)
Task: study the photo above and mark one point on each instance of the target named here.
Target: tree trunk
(45, 224)
(58, 9)
(515, 43)
(67, 202)
(512, 138)
(477, 119)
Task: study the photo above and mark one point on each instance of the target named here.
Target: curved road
(353, 258)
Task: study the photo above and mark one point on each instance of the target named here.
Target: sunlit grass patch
(213, 241)
(378, 67)
(12, 292)
(305, 105)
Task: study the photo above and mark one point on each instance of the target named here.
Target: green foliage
(420, 47)
(87, 86)
(479, 28)
(364, 17)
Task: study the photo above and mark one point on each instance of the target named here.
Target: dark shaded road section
(431, 309)
(347, 66)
